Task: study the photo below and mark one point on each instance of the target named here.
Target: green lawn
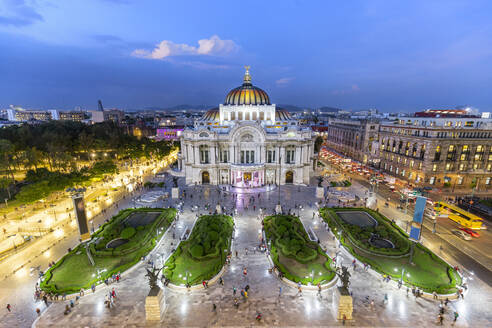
(298, 258)
(74, 270)
(427, 271)
(203, 255)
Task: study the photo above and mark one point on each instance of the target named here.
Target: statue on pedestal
(344, 277)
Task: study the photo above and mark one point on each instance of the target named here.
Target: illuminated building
(247, 141)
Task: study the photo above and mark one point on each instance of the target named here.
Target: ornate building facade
(247, 142)
(449, 152)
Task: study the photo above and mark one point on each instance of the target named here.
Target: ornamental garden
(115, 247)
(375, 240)
(297, 257)
(203, 254)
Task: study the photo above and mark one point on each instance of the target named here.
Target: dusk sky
(132, 54)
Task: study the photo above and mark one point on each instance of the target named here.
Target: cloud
(284, 81)
(214, 46)
(353, 89)
(18, 13)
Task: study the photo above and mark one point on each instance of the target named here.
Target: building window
(247, 156)
(411, 163)
(487, 181)
(290, 154)
(271, 156)
(224, 156)
(420, 165)
(465, 153)
(432, 180)
(449, 166)
(479, 153)
(437, 154)
(422, 152)
(434, 168)
(451, 153)
(204, 154)
(396, 170)
(489, 167)
(460, 180)
(462, 167)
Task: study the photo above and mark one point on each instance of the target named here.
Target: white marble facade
(247, 142)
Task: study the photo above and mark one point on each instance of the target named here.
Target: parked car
(461, 234)
(469, 231)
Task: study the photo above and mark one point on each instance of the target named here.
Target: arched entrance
(289, 177)
(205, 177)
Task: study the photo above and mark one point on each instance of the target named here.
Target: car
(470, 232)
(461, 234)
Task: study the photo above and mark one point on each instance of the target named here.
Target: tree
(33, 158)
(6, 153)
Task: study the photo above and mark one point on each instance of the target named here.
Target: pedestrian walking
(234, 291)
(434, 295)
(93, 287)
(456, 315)
(113, 293)
(81, 293)
(214, 307)
(9, 307)
(280, 291)
(245, 272)
(107, 302)
(221, 281)
(372, 304)
(441, 319)
(319, 289)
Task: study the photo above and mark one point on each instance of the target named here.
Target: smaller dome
(282, 115)
(211, 115)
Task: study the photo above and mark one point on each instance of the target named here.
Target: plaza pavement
(195, 308)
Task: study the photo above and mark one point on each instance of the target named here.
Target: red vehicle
(470, 232)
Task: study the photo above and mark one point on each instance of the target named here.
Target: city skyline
(132, 55)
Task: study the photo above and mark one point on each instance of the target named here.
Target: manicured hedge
(288, 237)
(203, 255)
(429, 272)
(140, 244)
(360, 236)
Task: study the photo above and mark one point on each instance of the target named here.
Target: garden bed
(427, 271)
(74, 271)
(298, 258)
(203, 254)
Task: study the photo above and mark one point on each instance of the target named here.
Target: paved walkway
(290, 309)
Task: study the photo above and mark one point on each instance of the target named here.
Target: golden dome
(247, 94)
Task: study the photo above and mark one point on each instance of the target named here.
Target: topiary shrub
(196, 250)
(128, 233)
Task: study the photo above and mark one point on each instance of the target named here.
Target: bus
(460, 216)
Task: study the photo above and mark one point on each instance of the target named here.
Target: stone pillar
(344, 303)
(196, 158)
(155, 304)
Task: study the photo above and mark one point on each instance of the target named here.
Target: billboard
(79, 207)
(416, 228)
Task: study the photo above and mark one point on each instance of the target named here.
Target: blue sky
(390, 55)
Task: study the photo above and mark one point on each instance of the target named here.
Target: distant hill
(180, 107)
(329, 109)
(292, 108)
